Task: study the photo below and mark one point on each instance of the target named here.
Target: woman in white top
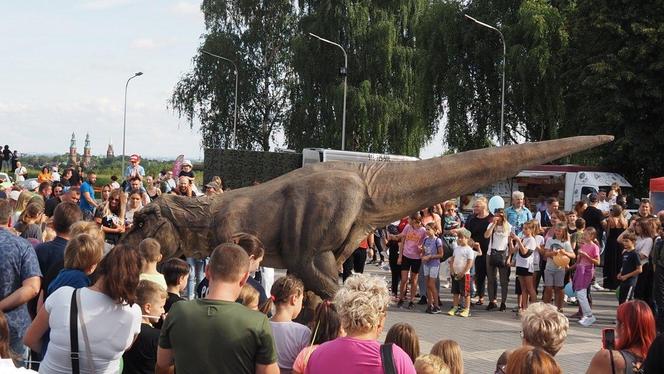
(106, 309)
(497, 259)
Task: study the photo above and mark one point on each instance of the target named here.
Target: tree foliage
(256, 35)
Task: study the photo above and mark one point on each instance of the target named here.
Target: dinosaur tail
(401, 188)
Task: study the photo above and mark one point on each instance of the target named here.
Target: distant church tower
(73, 156)
(109, 151)
(87, 152)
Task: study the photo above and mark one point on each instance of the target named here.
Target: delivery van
(315, 155)
(568, 183)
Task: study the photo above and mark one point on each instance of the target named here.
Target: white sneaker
(587, 321)
(572, 300)
(596, 287)
(446, 285)
(565, 298)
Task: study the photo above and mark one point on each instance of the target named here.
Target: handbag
(497, 259)
(74, 317)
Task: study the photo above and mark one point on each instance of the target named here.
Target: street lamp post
(345, 74)
(502, 105)
(235, 105)
(124, 121)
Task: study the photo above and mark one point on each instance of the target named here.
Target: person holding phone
(633, 335)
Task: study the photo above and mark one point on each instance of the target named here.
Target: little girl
(289, 337)
(588, 258)
(433, 253)
(525, 262)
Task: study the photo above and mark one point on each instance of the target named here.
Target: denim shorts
(554, 278)
(431, 270)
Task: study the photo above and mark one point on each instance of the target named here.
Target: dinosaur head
(149, 223)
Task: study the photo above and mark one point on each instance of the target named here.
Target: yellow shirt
(157, 278)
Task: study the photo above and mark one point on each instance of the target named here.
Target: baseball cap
(463, 232)
(593, 197)
(31, 185)
(186, 162)
(212, 185)
(14, 194)
(133, 158)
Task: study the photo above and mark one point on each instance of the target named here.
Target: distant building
(87, 152)
(73, 155)
(109, 151)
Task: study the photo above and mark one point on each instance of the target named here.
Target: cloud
(144, 43)
(103, 4)
(186, 8)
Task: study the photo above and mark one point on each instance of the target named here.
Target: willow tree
(462, 70)
(256, 35)
(379, 37)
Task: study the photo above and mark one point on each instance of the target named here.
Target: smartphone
(609, 338)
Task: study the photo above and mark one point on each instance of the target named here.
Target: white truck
(569, 183)
(315, 155)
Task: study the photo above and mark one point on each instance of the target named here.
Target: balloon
(561, 260)
(569, 290)
(495, 203)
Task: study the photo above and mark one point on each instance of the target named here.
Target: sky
(64, 65)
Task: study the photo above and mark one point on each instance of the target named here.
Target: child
(82, 254)
(525, 249)
(248, 297)
(327, 324)
(554, 275)
(289, 337)
(410, 256)
(176, 275)
(142, 356)
(588, 258)
(451, 222)
(571, 228)
(450, 352)
(460, 264)
(403, 335)
(537, 262)
(430, 364)
(150, 250)
(631, 267)
(433, 252)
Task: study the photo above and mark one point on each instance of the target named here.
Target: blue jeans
(196, 275)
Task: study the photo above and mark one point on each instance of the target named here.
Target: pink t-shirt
(353, 356)
(413, 239)
(592, 250)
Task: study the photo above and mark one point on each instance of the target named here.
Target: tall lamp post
(235, 106)
(345, 74)
(502, 105)
(124, 121)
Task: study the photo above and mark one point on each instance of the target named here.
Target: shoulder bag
(387, 359)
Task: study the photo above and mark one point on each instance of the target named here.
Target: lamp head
(138, 74)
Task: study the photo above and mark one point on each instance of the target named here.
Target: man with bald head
(184, 187)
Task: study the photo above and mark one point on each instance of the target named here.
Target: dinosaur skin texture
(311, 219)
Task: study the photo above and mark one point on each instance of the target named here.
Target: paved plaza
(485, 335)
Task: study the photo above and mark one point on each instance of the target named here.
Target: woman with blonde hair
(362, 304)
(497, 261)
(450, 352)
(531, 360)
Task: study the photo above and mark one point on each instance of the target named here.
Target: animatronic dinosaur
(313, 218)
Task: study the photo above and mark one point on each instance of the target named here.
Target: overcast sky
(64, 65)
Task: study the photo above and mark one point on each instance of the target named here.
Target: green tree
(256, 35)
(614, 83)
(379, 37)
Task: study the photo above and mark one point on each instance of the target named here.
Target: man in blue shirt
(134, 169)
(20, 279)
(88, 202)
(53, 252)
(518, 214)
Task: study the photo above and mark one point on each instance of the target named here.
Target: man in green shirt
(216, 334)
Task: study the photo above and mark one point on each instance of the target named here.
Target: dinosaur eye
(140, 225)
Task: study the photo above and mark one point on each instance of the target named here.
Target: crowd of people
(75, 299)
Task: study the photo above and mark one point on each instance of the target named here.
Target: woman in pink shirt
(362, 303)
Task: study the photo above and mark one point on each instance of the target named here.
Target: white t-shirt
(461, 256)
(527, 262)
(643, 247)
(499, 237)
(290, 338)
(19, 173)
(111, 329)
(604, 206)
(539, 239)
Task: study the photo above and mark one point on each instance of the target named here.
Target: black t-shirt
(172, 299)
(189, 174)
(630, 262)
(594, 218)
(50, 206)
(202, 288)
(141, 358)
(477, 227)
(6, 154)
